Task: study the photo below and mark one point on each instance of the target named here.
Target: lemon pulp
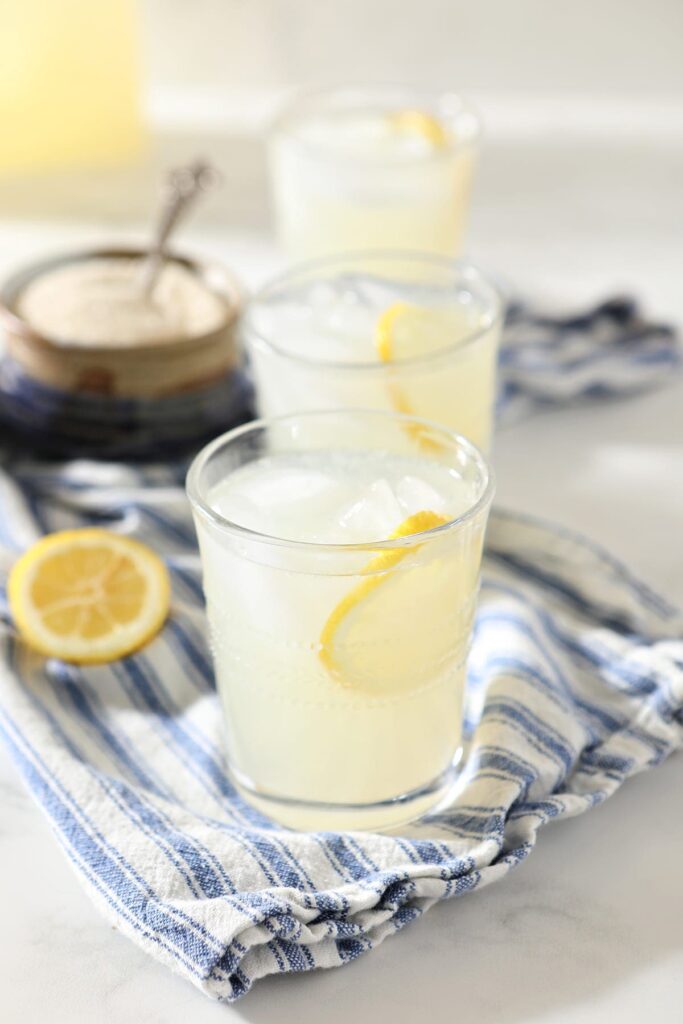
(88, 595)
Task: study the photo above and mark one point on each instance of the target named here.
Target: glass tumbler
(321, 336)
(341, 666)
(373, 168)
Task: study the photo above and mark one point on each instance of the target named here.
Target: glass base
(383, 816)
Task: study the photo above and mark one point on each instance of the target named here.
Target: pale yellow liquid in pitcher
(68, 83)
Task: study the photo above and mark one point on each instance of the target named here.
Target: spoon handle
(182, 187)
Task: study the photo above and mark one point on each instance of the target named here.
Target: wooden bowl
(144, 371)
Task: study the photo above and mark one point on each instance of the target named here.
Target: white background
(607, 47)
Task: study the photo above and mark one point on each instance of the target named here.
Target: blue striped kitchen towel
(576, 683)
(606, 352)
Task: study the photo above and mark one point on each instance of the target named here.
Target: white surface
(605, 48)
(589, 928)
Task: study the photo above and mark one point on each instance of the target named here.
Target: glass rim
(293, 112)
(200, 505)
(469, 271)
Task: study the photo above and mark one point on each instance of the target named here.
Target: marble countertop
(588, 929)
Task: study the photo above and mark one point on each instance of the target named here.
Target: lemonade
(341, 580)
(409, 334)
(373, 169)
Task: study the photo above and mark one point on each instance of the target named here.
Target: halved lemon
(393, 630)
(88, 596)
(419, 122)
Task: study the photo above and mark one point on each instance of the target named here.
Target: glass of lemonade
(341, 570)
(373, 168)
(408, 333)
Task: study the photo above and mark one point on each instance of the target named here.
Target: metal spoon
(182, 187)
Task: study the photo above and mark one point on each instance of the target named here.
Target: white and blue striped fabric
(605, 352)
(576, 683)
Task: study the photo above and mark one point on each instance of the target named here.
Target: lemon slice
(89, 595)
(360, 645)
(386, 326)
(404, 331)
(419, 122)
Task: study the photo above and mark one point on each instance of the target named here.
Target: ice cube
(416, 495)
(372, 516)
(286, 484)
(275, 499)
(322, 320)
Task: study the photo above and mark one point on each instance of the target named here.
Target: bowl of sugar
(93, 355)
